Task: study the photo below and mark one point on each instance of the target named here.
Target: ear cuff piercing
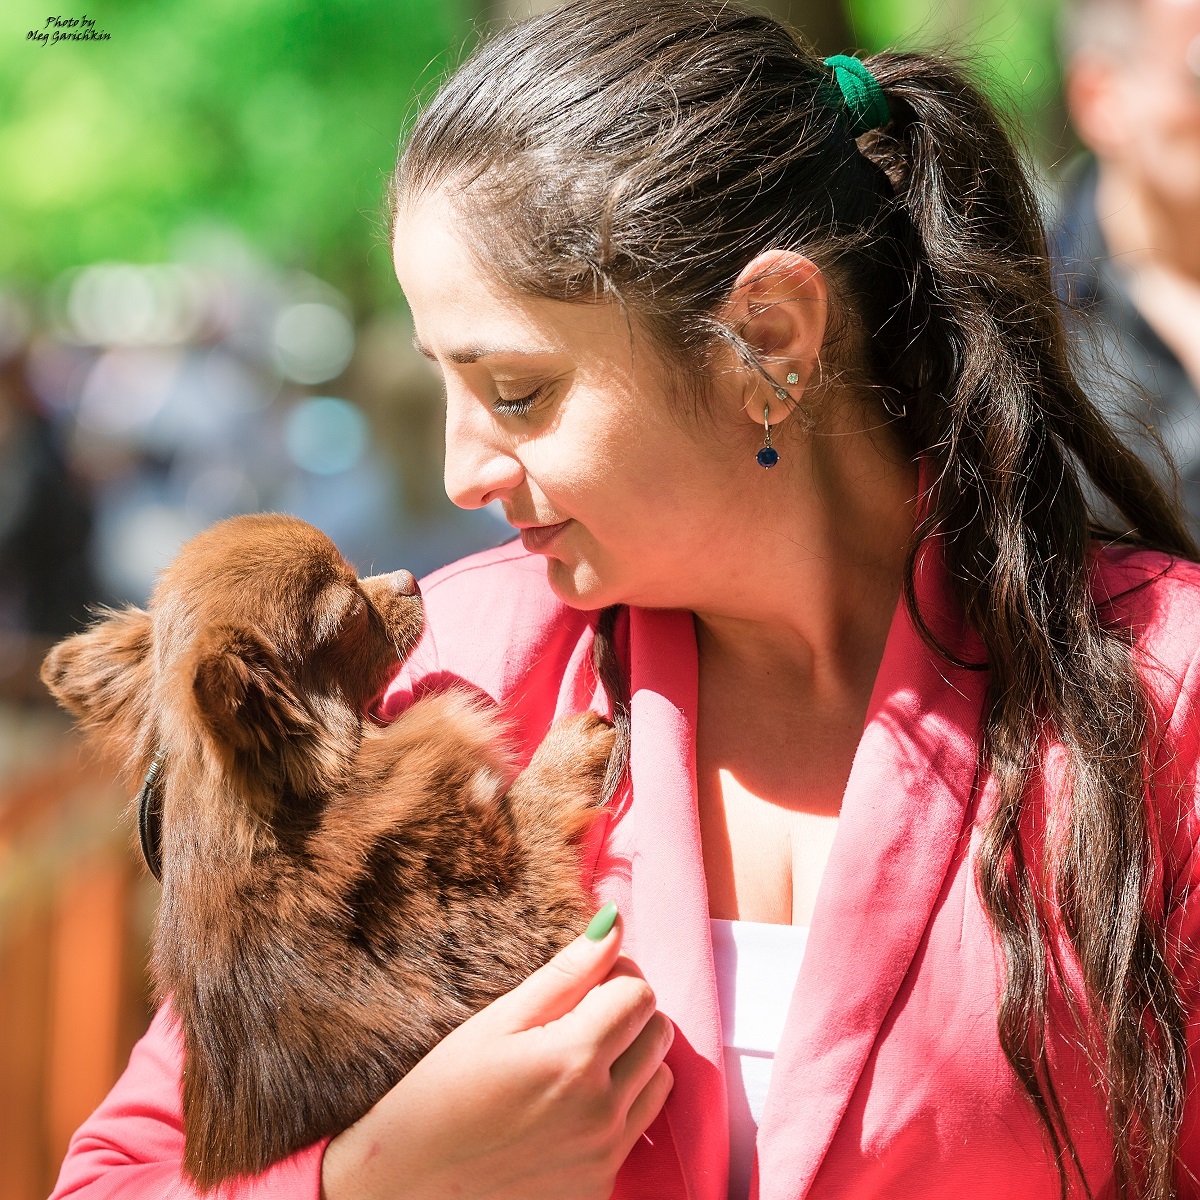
(768, 456)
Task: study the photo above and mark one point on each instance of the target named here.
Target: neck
(1143, 226)
(809, 598)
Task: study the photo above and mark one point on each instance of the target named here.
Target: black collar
(149, 806)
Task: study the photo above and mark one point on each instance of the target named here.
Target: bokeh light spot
(313, 342)
(326, 436)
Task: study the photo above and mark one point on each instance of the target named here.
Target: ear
(779, 303)
(103, 675)
(244, 695)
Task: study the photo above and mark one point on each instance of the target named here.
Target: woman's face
(554, 411)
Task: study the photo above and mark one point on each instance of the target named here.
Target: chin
(579, 585)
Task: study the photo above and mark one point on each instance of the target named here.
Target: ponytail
(982, 350)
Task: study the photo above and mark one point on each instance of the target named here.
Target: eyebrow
(470, 354)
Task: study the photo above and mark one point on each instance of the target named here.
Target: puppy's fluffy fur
(337, 896)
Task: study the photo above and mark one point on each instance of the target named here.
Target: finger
(646, 1107)
(635, 1068)
(625, 966)
(555, 989)
(610, 1016)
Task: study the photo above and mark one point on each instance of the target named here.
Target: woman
(761, 356)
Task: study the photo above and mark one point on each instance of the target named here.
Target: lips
(538, 537)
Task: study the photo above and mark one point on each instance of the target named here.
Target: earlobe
(770, 400)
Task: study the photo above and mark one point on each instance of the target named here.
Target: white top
(757, 965)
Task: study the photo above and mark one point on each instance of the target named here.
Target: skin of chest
(769, 791)
(762, 861)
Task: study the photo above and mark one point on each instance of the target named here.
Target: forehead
(234, 562)
(433, 264)
(266, 571)
(1177, 21)
(457, 305)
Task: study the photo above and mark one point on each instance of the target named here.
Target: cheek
(593, 469)
(626, 502)
(1168, 134)
(635, 483)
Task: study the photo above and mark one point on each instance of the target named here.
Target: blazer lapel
(910, 785)
(653, 865)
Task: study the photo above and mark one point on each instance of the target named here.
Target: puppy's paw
(566, 775)
(578, 748)
(598, 736)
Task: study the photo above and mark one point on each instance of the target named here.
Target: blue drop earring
(768, 456)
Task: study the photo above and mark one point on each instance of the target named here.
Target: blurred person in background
(1128, 238)
(46, 579)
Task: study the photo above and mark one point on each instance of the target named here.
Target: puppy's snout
(404, 583)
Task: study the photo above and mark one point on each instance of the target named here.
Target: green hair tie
(867, 105)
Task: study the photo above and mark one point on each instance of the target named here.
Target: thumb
(554, 990)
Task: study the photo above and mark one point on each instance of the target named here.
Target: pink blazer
(890, 1080)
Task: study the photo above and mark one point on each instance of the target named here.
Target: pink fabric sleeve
(131, 1147)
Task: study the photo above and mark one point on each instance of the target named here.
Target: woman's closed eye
(521, 405)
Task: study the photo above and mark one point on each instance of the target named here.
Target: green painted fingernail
(602, 922)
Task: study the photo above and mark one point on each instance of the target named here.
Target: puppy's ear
(103, 675)
(244, 694)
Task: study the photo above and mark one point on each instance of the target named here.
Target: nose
(479, 466)
(404, 583)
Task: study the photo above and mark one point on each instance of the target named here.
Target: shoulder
(508, 575)
(492, 621)
(1155, 598)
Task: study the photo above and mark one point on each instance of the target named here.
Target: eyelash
(519, 407)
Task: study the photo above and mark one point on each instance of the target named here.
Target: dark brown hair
(646, 151)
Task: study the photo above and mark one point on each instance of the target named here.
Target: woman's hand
(542, 1093)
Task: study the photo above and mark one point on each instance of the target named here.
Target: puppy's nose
(404, 583)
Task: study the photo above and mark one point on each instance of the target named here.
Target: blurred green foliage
(279, 117)
(1011, 46)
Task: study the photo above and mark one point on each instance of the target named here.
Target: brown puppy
(337, 896)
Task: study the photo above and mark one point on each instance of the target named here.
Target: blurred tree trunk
(822, 22)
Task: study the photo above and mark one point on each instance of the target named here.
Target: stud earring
(793, 377)
(768, 456)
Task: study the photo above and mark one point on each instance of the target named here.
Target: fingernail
(602, 922)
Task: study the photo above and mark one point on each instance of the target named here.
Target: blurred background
(198, 318)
